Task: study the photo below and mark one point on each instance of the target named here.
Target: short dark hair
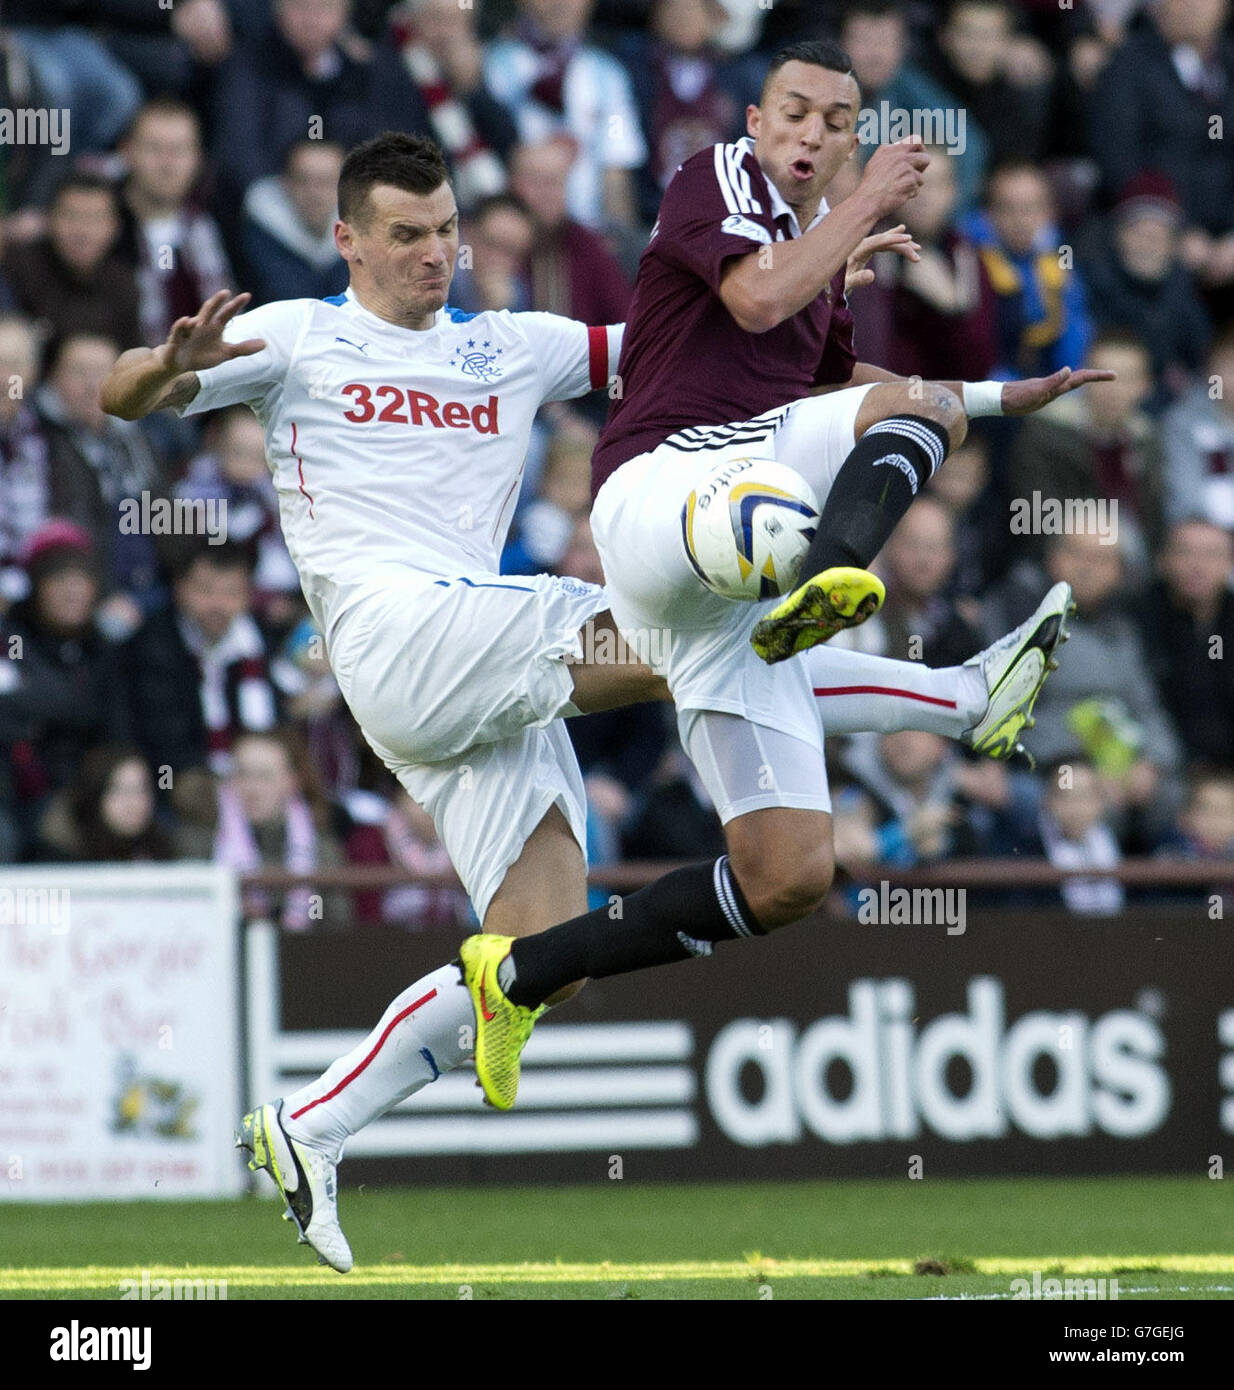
(163, 106)
(822, 53)
(306, 142)
(410, 162)
(84, 181)
(504, 201)
(873, 9)
(229, 555)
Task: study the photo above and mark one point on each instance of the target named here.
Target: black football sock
(873, 489)
(674, 918)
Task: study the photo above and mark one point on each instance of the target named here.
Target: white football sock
(427, 1030)
(860, 693)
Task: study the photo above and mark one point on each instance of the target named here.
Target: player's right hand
(894, 174)
(196, 343)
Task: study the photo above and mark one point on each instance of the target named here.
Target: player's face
(804, 130)
(402, 252)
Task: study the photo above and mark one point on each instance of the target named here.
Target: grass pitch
(1159, 1237)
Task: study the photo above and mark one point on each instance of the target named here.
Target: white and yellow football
(747, 527)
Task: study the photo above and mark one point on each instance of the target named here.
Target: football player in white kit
(396, 430)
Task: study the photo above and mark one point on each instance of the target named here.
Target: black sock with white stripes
(875, 486)
(676, 917)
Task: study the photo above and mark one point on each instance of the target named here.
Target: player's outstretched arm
(1024, 397)
(761, 291)
(149, 379)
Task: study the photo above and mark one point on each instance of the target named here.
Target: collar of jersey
(442, 315)
(778, 205)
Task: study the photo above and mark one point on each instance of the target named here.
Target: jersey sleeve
(708, 215)
(839, 358)
(573, 358)
(248, 380)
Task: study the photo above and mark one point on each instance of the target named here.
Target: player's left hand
(1023, 397)
(898, 239)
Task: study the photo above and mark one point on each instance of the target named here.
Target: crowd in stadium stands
(166, 696)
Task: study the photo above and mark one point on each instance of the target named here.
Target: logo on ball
(747, 526)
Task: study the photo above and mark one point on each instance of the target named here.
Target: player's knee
(787, 887)
(945, 408)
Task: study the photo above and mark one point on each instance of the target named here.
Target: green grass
(1160, 1237)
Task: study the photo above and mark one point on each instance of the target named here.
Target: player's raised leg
(770, 790)
(903, 431)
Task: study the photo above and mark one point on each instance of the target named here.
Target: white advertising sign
(119, 1032)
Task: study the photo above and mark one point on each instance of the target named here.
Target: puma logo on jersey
(360, 347)
(392, 405)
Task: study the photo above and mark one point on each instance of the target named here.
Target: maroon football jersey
(684, 360)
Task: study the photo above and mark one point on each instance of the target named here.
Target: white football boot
(1015, 668)
(305, 1177)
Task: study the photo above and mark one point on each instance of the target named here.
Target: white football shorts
(459, 686)
(699, 641)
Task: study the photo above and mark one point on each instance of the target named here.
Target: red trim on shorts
(882, 690)
(597, 356)
(351, 1076)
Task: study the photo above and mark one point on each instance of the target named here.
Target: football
(746, 527)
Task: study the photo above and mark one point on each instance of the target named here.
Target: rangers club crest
(474, 359)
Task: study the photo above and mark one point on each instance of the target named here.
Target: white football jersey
(391, 446)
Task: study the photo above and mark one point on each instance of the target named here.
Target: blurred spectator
(1199, 443)
(1098, 443)
(410, 841)
(1188, 633)
(271, 815)
(73, 68)
(25, 468)
(673, 817)
(500, 233)
(558, 84)
(917, 621)
(552, 528)
(1101, 703)
(979, 524)
(288, 230)
(1074, 832)
(875, 35)
(72, 279)
(301, 670)
(920, 811)
(1042, 317)
(1156, 106)
(1206, 822)
(197, 672)
(107, 815)
(1000, 77)
(173, 243)
(99, 463)
(1140, 283)
(438, 42)
(685, 100)
(305, 78)
(58, 678)
(934, 317)
(573, 272)
(234, 473)
(28, 172)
